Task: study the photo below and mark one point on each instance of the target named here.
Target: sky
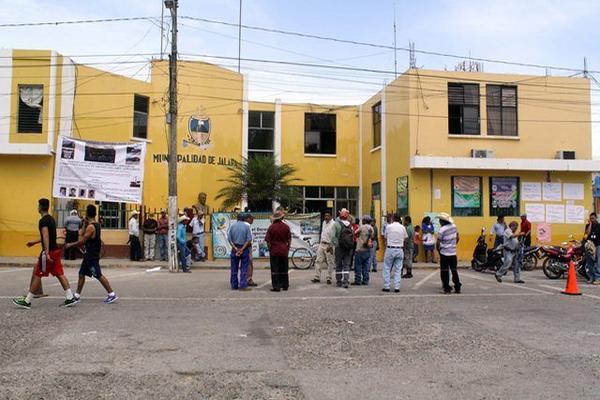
(548, 32)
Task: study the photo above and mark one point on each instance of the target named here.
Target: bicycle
(305, 257)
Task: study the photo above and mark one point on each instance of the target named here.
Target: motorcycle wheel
(476, 266)
(552, 268)
(581, 270)
(529, 262)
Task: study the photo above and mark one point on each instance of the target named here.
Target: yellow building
(437, 133)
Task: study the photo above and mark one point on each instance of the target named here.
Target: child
(417, 240)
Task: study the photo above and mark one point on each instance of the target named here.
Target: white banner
(552, 191)
(573, 191)
(555, 213)
(536, 212)
(99, 171)
(531, 191)
(574, 214)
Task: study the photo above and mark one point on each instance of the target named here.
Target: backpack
(346, 237)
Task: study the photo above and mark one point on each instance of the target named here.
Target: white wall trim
(383, 154)
(278, 132)
(5, 87)
(507, 164)
(27, 149)
(67, 98)
(360, 160)
(51, 112)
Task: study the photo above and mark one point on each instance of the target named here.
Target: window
(261, 135)
(319, 133)
(463, 109)
(31, 104)
(504, 196)
(140, 116)
(330, 198)
(402, 195)
(466, 196)
(502, 110)
(376, 125)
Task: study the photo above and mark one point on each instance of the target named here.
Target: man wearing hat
(162, 235)
(279, 239)
(150, 226)
(362, 255)
(135, 248)
(72, 226)
(342, 238)
(446, 245)
(239, 236)
(182, 250)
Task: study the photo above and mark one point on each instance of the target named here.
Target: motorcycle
(484, 258)
(531, 257)
(556, 264)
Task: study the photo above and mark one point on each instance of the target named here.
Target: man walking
(362, 254)
(343, 240)
(279, 239)
(240, 239)
(511, 247)
(325, 255)
(182, 250)
(161, 235)
(498, 229)
(197, 225)
(135, 249)
(373, 259)
(448, 238)
(150, 226)
(409, 248)
(72, 226)
(90, 266)
(395, 238)
(48, 261)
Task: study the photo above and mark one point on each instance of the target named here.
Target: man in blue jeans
(240, 239)
(362, 254)
(592, 234)
(182, 251)
(395, 237)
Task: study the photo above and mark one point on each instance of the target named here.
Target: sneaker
(315, 280)
(69, 302)
(329, 281)
(111, 299)
(21, 303)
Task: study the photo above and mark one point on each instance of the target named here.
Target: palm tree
(260, 181)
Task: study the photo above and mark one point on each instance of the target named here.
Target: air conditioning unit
(482, 153)
(565, 155)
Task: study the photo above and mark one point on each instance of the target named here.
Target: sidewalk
(29, 262)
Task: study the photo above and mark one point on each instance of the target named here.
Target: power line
(77, 21)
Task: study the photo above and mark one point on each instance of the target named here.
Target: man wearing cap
(325, 250)
(197, 225)
(161, 235)
(446, 245)
(362, 255)
(182, 250)
(150, 226)
(239, 236)
(395, 238)
(72, 226)
(279, 239)
(135, 248)
(342, 238)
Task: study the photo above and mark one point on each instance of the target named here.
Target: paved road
(186, 336)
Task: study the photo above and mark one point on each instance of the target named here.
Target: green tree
(261, 181)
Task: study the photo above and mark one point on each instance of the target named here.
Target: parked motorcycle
(556, 264)
(531, 257)
(484, 258)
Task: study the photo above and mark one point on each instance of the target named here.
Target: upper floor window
(260, 133)
(140, 116)
(319, 133)
(376, 110)
(502, 110)
(463, 109)
(31, 103)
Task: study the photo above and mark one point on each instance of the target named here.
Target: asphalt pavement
(188, 336)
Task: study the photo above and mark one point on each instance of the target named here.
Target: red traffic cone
(572, 287)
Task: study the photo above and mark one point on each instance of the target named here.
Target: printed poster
(505, 193)
(531, 191)
(555, 213)
(552, 191)
(573, 191)
(99, 171)
(544, 233)
(402, 193)
(574, 214)
(536, 212)
(302, 226)
(467, 192)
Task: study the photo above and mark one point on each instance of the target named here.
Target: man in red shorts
(48, 261)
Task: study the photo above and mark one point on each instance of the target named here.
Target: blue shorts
(90, 267)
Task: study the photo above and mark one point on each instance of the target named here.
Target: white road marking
(422, 281)
(560, 290)
(267, 283)
(15, 270)
(516, 285)
(110, 278)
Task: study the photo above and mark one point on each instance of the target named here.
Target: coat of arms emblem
(199, 131)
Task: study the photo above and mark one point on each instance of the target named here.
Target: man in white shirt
(395, 237)
(197, 225)
(446, 245)
(135, 248)
(325, 255)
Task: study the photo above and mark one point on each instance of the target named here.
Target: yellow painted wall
(371, 156)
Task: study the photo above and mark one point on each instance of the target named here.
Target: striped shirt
(447, 239)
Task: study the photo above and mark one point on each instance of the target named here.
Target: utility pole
(395, 46)
(172, 121)
(240, 39)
